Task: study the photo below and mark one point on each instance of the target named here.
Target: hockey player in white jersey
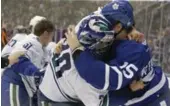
(19, 35)
(61, 82)
(33, 47)
(51, 45)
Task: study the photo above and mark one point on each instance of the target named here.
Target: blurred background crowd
(152, 18)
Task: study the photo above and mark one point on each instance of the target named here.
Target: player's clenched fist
(136, 35)
(136, 85)
(58, 47)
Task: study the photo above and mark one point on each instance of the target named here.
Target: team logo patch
(115, 6)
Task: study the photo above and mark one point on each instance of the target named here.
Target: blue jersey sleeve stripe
(119, 75)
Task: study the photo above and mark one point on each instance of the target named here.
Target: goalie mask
(95, 33)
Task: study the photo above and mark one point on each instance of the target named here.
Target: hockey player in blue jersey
(115, 67)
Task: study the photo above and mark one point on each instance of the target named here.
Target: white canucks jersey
(36, 53)
(62, 83)
(33, 50)
(12, 43)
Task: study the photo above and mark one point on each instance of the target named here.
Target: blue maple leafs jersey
(128, 60)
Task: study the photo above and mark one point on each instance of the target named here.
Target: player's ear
(117, 27)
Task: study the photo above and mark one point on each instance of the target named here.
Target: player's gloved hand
(136, 35)
(14, 57)
(136, 85)
(72, 38)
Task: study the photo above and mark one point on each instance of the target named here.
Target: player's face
(122, 35)
(46, 38)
